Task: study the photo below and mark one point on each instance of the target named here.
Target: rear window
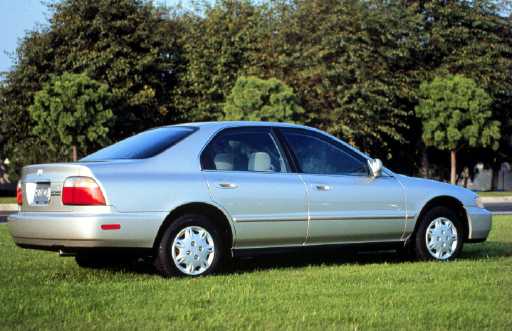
(141, 146)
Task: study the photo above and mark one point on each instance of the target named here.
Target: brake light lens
(19, 194)
(82, 191)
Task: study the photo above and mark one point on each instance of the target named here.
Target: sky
(19, 16)
(16, 17)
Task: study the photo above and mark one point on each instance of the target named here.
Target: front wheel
(439, 235)
(191, 246)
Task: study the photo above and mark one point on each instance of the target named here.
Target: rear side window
(141, 146)
(243, 151)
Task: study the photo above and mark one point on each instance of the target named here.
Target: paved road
(500, 207)
(496, 208)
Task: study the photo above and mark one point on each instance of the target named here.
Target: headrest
(224, 161)
(259, 161)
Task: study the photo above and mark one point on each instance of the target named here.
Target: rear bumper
(480, 223)
(72, 230)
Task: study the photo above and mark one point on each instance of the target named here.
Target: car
(191, 196)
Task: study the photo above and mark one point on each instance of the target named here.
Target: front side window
(315, 155)
(243, 151)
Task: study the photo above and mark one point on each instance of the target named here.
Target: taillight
(19, 194)
(82, 191)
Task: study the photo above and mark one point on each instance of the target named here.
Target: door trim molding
(362, 217)
(280, 219)
(319, 218)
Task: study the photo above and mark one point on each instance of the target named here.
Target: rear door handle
(227, 185)
(323, 187)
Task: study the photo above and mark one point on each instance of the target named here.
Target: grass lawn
(7, 199)
(495, 194)
(39, 290)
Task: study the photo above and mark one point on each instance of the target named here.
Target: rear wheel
(191, 245)
(439, 235)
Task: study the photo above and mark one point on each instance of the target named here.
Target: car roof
(225, 124)
(218, 125)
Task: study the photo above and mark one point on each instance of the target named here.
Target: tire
(439, 236)
(200, 254)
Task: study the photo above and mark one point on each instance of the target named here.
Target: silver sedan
(191, 196)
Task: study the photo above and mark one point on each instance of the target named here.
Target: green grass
(39, 290)
(495, 194)
(7, 200)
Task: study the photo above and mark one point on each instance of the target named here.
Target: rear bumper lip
(58, 244)
(480, 223)
(60, 230)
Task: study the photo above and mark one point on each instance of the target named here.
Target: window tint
(317, 156)
(143, 145)
(243, 151)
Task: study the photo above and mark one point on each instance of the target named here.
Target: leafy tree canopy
(456, 112)
(72, 110)
(130, 45)
(218, 45)
(354, 65)
(255, 99)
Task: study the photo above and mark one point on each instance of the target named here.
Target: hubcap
(441, 238)
(193, 250)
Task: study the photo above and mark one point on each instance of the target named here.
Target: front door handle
(323, 187)
(228, 185)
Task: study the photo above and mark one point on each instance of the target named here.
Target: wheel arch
(214, 212)
(445, 201)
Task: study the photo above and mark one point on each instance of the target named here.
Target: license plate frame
(42, 194)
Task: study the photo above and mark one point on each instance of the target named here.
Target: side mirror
(375, 166)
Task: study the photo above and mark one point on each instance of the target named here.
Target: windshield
(141, 146)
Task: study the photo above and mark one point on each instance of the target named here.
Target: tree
(349, 62)
(130, 45)
(218, 44)
(255, 99)
(73, 111)
(456, 112)
(355, 66)
(471, 38)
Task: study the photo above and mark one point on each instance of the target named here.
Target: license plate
(42, 194)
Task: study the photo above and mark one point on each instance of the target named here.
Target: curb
(496, 199)
(8, 207)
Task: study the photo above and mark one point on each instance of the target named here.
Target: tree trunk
(453, 170)
(75, 156)
(424, 165)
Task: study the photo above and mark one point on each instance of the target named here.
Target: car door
(248, 175)
(345, 203)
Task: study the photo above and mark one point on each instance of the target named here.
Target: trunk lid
(41, 185)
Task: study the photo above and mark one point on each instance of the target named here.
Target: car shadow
(293, 259)
(328, 257)
(340, 257)
(490, 249)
